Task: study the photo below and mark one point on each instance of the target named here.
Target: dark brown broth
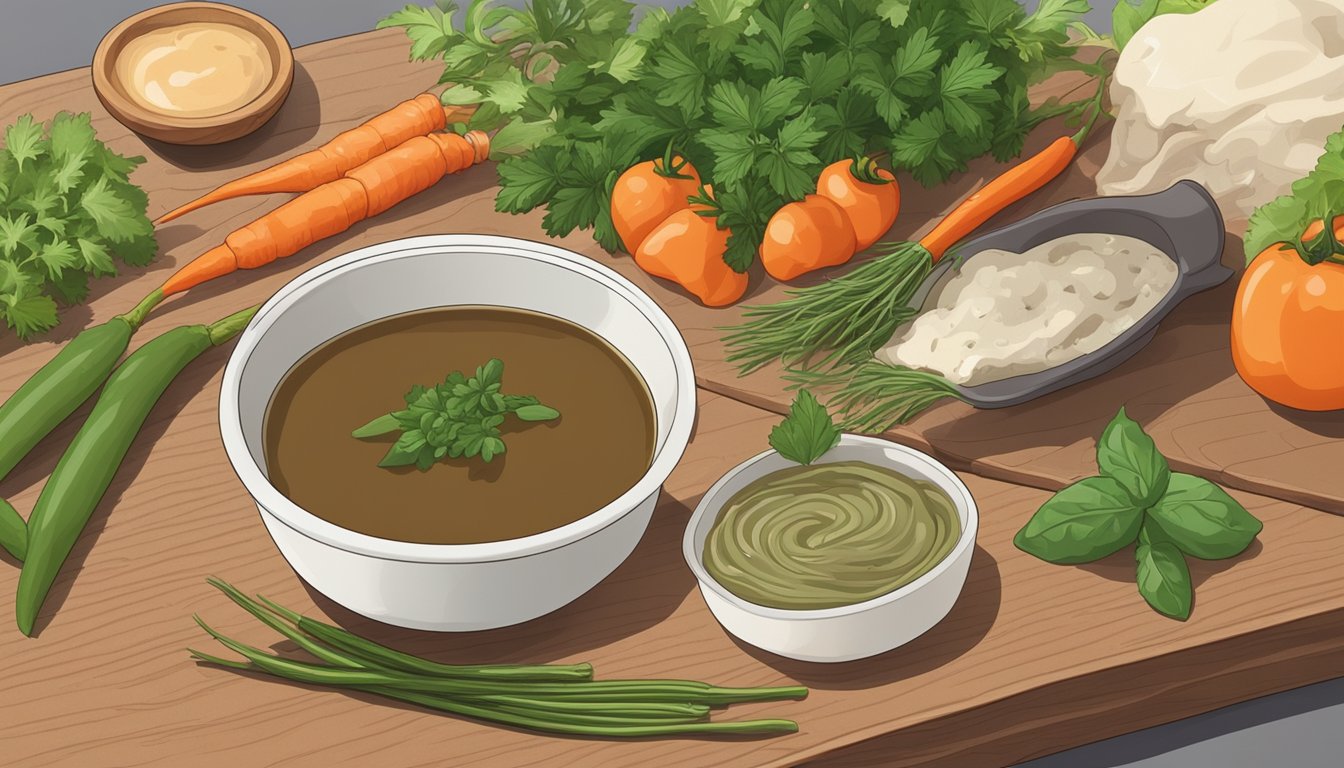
(552, 474)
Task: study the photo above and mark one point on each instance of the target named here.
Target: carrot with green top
(842, 321)
(329, 162)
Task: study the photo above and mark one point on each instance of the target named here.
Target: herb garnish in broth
(458, 418)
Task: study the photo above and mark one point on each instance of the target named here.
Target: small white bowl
(455, 587)
(853, 631)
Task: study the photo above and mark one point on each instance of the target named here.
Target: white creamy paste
(1007, 314)
(1238, 96)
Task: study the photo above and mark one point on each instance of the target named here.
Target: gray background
(38, 37)
(1298, 729)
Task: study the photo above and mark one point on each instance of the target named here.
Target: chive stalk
(561, 698)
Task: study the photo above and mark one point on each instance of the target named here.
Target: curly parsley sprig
(459, 418)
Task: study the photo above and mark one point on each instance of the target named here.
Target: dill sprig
(835, 323)
(873, 397)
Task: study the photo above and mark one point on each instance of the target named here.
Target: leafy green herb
(1317, 195)
(1163, 576)
(458, 418)
(807, 432)
(1127, 454)
(1086, 521)
(66, 207)
(758, 94)
(1137, 499)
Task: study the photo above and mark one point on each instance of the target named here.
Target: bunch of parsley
(66, 207)
(758, 94)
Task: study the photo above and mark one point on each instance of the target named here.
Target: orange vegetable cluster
(665, 219)
(655, 219)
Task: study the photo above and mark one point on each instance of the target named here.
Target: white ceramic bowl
(470, 586)
(853, 631)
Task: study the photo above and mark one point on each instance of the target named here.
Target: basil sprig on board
(1137, 499)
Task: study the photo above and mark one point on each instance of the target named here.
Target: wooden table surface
(1033, 659)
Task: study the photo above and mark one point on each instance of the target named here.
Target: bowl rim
(945, 478)
(124, 108)
(306, 523)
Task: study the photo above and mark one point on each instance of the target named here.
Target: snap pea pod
(68, 379)
(13, 531)
(57, 389)
(86, 470)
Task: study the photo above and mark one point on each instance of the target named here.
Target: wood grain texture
(1033, 659)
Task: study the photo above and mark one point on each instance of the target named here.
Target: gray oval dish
(1182, 221)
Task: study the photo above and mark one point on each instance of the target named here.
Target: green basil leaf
(1201, 519)
(1164, 579)
(1084, 522)
(1126, 453)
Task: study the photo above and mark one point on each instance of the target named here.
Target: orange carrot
(329, 162)
(1013, 185)
(842, 320)
(367, 190)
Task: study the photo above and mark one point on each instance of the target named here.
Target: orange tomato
(646, 194)
(688, 248)
(869, 205)
(1288, 329)
(804, 236)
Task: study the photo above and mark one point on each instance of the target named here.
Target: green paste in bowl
(829, 535)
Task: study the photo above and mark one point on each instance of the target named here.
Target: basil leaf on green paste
(807, 433)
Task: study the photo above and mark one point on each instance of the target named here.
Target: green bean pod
(86, 470)
(13, 531)
(58, 388)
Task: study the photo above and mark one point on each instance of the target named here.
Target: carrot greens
(759, 95)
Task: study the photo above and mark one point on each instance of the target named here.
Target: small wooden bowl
(172, 129)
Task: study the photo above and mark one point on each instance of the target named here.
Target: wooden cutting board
(1033, 659)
